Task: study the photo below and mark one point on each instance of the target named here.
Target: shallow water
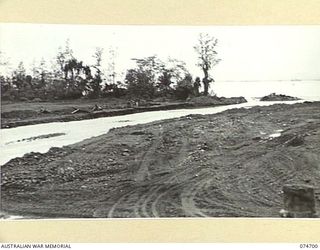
(309, 90)
(14, 141)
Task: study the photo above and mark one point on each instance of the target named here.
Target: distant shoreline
(294, 80)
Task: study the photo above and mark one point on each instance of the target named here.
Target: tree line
(71, 78)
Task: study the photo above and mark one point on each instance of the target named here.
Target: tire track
(187, 199)
(154, 197)
(118, 202)
(141, 205)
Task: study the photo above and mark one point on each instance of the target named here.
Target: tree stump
(299, 201)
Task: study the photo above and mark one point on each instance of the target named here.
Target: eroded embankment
(34, 115)
(215, 165)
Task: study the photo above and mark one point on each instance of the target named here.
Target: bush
(184, 88)
(140, 84)
(10, 95)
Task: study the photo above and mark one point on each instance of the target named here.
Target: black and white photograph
(140, 121)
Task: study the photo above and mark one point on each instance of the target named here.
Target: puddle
(276, 134)
(10, 217)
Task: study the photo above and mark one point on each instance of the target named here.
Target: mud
(222, 165)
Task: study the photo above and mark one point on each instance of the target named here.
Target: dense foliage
(70, 78)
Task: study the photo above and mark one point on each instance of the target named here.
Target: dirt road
(232, 164)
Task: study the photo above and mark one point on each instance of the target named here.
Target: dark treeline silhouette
(70, 78)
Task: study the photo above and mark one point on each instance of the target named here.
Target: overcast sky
(247, 52)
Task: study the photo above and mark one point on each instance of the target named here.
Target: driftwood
(96, 108)
(44, 111)
(77, 110)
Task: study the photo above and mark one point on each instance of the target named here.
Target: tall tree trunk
(206, 82)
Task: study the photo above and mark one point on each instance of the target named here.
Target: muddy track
(142, 201)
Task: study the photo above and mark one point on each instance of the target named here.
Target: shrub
(184, 88)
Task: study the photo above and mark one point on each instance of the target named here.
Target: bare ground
(222, 165)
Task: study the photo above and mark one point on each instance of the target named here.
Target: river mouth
(111, 149)
(185, 167)
(15, 142)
